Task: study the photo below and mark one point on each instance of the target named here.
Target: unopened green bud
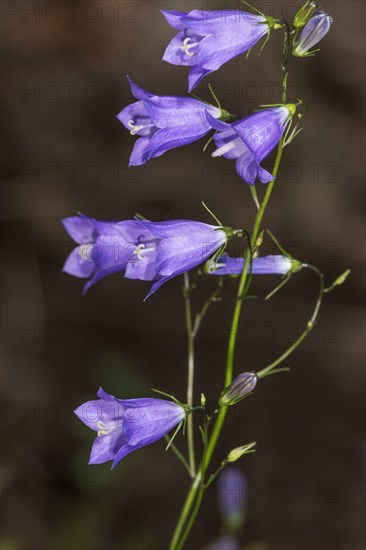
(342, 278)
(203, 400)
(304, 14)
(235, 454)
(259, 240)
(239, 388)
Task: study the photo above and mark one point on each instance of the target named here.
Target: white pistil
(186, 47)
(137, 251)
(135, 129)
(226, 148)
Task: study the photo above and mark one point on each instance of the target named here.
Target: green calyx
(273, 24)
(229, 231)
(291, 107)
(304, 14)
(224, 114)
(295, 266)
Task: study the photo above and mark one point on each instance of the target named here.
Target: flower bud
(237, 453)
(304, 14)
(203, 400)
(259, 241)
(239, 388)
(315, 29)
(342, 278)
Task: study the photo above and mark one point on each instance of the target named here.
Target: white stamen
(105, 430)
(135, 129)
(186, 47)
(85, 251)
(137, 251)
(226, 148)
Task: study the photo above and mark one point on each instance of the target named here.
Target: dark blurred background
(64, 67)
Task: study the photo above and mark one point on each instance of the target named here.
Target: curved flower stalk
(208, 39)
(144, 250)
(263, 265)
(163, 123)
(314, 31)
(124, 425)
(252, 139)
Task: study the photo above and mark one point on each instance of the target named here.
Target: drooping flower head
(124, 425)
(96, 254)
(163, 123)
(183, 245)
(208, 39)
(251, 139)
(109, 247)
(144, 250)
(315, 29)
(262, 265)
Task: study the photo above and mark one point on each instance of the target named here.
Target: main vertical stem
(194, 496)
(183, 528)
(190, 381)
(238, 308)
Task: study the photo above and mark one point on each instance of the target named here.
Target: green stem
(190, 382)
(238, 307)
(178, 454)
(185, 511)
(200, 487)
(185, 524)
(200, 316)
(309, 327)
(194, 498)
(193, 516)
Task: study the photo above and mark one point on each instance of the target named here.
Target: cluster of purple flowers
(159, 251)
(205, 41)
(165, 122)
(156, 251)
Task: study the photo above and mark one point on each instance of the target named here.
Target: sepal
(304, 14)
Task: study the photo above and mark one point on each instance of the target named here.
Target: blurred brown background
(63, 82)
